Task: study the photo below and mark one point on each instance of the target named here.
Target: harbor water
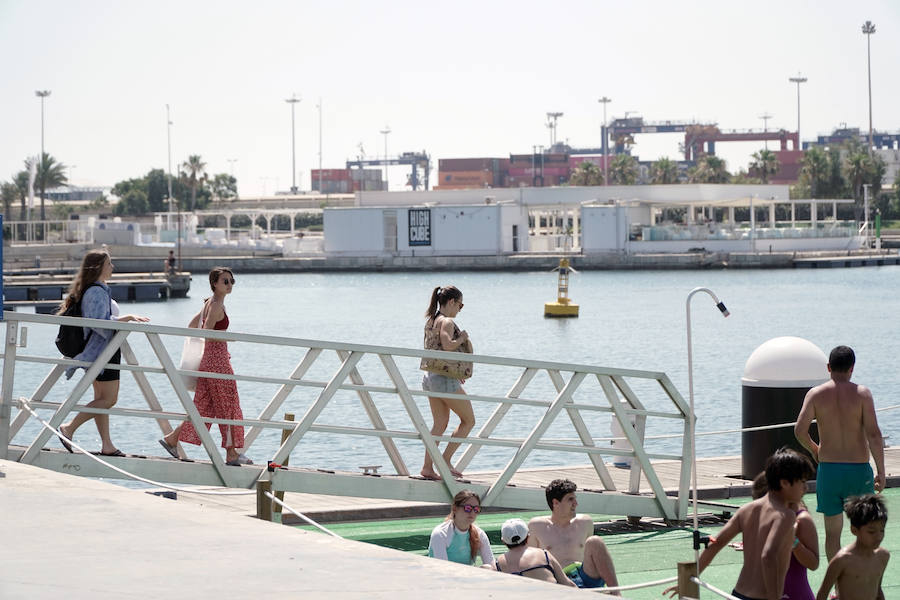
(628, 319)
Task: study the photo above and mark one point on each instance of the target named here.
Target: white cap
(513, 531)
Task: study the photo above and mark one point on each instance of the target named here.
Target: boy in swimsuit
(524, 560)
(857, 569)
(767, 525)
(569, 537)
(848, 434)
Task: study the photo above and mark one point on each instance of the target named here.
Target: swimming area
(629, 319)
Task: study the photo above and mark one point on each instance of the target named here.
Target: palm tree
(764, 164)
(856, 168)
(665, 170)
(709, 169)
(9, 191)
(50, 174)
(194, 174)
(623, 170)
(814, 170)
(587, 173)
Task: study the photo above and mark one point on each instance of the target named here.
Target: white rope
(301, 515)
(634, 586)
(713, 589)
(27, 407)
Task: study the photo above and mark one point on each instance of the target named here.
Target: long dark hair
(439, 297)
(214, 274)
(458, 500)
(91, 267)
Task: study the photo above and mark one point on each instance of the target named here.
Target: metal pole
(692, 418)
(604, 101)
(292, 101)
(177, 204)
(43, 94)
(385, 132)
(798, 80)
(866, 211)
(868, 29)
(320, 144)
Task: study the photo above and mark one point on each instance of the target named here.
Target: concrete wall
(454, 230)
(603, 228)
(761, 245)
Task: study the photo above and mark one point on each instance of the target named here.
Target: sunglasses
(461, 305)
(469, 508)
(227, 281)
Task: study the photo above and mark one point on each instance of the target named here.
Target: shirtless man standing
(848, 433)
(569, 537)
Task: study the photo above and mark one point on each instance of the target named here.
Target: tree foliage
(224, 187)
(193, 173)
(664, 170)
(50, 174)
(134, 202)
(623, 170)
(587, 173)
(709, 169)
(764, 165)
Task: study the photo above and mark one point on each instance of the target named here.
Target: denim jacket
(96, 303)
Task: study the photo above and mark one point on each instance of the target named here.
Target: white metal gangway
(533, 398)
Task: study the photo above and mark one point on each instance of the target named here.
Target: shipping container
(546, 171)
(465, 164)
(331, 174)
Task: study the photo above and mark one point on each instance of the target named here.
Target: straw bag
(191, 353)
(454, 369)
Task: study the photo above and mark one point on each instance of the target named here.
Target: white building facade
(473, 229)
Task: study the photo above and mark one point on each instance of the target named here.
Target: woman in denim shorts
(441, 333)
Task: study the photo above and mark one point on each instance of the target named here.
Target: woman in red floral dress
(216, 398)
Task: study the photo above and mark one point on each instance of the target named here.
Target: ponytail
(432, 310)
(439, 296)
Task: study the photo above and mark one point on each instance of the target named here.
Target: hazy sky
(455, 79)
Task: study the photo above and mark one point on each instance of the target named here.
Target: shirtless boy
(569, 537)
(858, 568)
(767, 525)
(848, 433)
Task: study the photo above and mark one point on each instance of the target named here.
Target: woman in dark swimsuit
(525, 560)
(216, 398)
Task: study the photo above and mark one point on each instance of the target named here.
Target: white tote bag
(191, 354)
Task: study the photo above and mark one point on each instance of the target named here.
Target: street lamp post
(43, 94)
(171, 198)
(231, 162)
(604, 101)
(765, 119)
(692, 416)
(798, 80)
(319, 106)
(292, 101)
(385, 133)
(868, 29)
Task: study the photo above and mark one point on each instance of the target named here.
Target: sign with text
(420, 227)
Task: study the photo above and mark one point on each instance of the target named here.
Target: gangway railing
(529, 410)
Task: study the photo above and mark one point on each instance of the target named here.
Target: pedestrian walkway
(73, 537)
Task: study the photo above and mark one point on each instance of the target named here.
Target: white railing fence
(324, 383)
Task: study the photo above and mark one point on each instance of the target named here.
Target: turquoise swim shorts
(837, 482)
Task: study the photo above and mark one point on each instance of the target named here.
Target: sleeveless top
(796, 584)
(523, 571)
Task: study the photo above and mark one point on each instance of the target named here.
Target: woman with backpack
(90, 291)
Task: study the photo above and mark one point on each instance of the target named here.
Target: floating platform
(130, 287)
(560, 310)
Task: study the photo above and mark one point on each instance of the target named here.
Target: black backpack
(70, 340)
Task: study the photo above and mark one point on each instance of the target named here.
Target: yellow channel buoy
(563, 307)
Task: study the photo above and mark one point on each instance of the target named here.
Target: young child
(767, 526)
(857, 568)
